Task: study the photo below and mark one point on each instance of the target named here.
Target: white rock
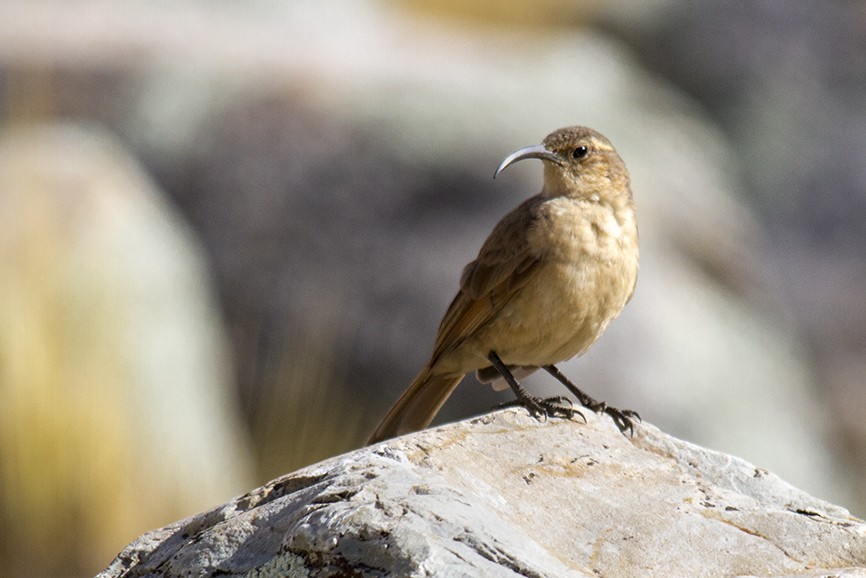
(506, 495)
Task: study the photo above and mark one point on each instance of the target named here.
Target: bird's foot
(540, 408)
(543, 408)
(623, 418)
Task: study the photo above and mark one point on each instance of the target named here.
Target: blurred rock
(787, 84)
(336, 161)
(366, 195)
(559, 498)
(116, 411)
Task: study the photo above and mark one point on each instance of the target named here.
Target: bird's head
(578, 162)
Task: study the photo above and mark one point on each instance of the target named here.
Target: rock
(506, 495)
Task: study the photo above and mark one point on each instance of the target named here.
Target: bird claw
(544, 408)
(623, 418)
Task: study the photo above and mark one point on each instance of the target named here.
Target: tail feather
(417, 407)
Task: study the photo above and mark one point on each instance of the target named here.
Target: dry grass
(307, 411)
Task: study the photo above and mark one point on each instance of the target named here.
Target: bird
(547, 282)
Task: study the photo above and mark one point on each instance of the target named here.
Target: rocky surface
(505, 495)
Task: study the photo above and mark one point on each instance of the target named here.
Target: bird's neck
(600, 189)
(556, 183)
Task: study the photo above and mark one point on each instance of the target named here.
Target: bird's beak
(533, 152)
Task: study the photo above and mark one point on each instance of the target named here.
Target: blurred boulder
(337, 162)
(787, 84)
(116, 407)
(365, 197)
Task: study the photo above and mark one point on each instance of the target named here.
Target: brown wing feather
(504, 265)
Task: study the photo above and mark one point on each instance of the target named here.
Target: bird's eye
(580, 152)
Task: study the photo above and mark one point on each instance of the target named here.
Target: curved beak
(532, 152)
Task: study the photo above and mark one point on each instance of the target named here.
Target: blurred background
(228, 232)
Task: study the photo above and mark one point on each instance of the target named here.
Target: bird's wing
(504, 265)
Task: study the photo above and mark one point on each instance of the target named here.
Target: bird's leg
(623, 418)
(584, 399)
(539, 408)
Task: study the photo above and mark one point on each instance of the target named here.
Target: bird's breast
(588, 275)
(574, 230)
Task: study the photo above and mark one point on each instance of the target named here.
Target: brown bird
(548, 280)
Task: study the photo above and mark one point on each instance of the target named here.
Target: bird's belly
(560, 313)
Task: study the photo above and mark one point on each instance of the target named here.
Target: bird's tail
(417, 407)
